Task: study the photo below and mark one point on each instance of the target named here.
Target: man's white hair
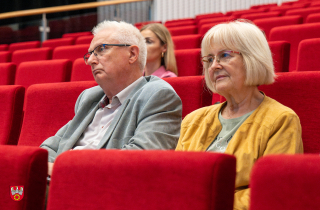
(125, 33)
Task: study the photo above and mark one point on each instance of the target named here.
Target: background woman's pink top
(163, 73)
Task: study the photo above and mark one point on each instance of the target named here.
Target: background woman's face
(154, 47)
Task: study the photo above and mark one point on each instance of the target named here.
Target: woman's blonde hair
(169, 59)
(249, 40)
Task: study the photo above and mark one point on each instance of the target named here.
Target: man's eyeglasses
(222, 57)
(100, 50)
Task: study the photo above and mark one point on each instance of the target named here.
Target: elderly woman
(249, 125)
(161, 61)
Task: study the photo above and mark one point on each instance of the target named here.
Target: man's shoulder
(156, 83)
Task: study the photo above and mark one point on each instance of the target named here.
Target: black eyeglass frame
(89, 53)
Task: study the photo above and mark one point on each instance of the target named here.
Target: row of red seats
(153, 180)
(44, 116)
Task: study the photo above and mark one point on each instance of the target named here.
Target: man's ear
(134, 54)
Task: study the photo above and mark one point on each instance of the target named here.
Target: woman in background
(249, 125)
(161, 60)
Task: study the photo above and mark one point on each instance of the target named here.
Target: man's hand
(50, 167)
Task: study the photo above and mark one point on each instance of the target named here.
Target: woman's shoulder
(200, 115)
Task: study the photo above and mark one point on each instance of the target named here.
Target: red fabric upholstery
(36, 54)
(8, 73)
(263, 6)
(84, 39)
(294, 34)
(5, 56)
(27, 167)
(281, 182)
(180, 20)
(214, 21)
(58, 42)
(192, 92)
(238, 14)
(183, 30)
(303, 12)
(77, 34)
(180, 23)
(188, 62)
(284, 9)
(300, 91)
(187, 41)
(142, 180)
(280, 53)
(308, 55)
(260, 15)
(35, 72)
(4, 47)
(313, 18)
(140, 24)
(24, 45)
(81, 71)
(11, 104)
(47, 108)
(211, 15)
(70, 52)
(266, 24)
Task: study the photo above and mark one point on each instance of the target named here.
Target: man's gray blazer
(149, 118)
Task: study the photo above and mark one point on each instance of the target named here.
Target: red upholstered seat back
(24, 45)
(183, 30)
(37, 54)
(48, 108)
(4, 47)
(303, 12)
(188, 62)
(5, 56)
(187, 41)
(11, 105)
(179, 23)
(313, 18)
(308, 55)
(53, 43)
(26, 167)
(8, 73)
(70, 52)
(260, 15)
(294, 34)
(192, 92)
(300, 91)
(142, 180)
(266, 24)
(281, 182)
(84, 39)
(205, 24)
(81, 71)
(281, 54)
(35, 72)
(284, 9)
(210, 15)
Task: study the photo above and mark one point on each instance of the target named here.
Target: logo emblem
(16, 192)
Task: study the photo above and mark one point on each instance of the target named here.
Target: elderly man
(126, 110)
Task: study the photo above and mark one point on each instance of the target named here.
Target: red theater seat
(180, 23)
(24, 45)
(183, 30)
(313, 18)
(24, 167)
(48, 107)
(53, 43)
(84, 39)
(308, 55)
(281, 182)
(7, 73)
(189, 62)
(284, 9)
(238, 14)
(36, 54)
(281, 54)
(187, 41)
(192, 92)
(81, 71)
(213, 22)
(260, 15)
(5, 56)
(294, 34)
(35, 72)
(11, 105)
(211, 15)
(76, 34)
(141, 24)
(300, 91)
(303, 12)
(70, 52)
(266, 24)
(4, 47)
(142, 180)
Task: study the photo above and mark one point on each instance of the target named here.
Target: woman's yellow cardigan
(271, 129)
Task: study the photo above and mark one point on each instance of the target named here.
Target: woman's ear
(164, 48)
(134, 54)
